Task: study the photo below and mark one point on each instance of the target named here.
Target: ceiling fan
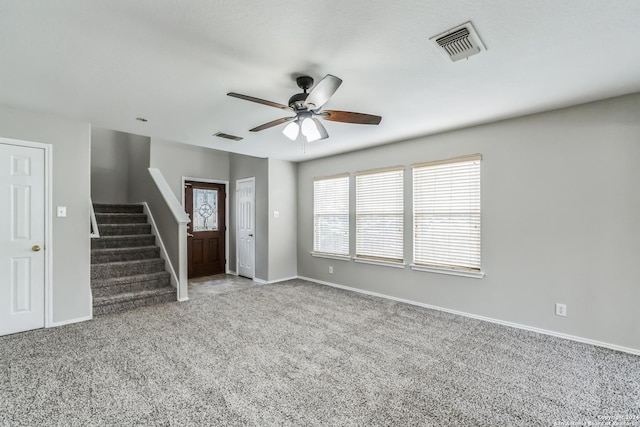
(307, 108)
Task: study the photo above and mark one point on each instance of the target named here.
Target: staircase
(126, 268)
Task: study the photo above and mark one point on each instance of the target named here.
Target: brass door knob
(35, 248)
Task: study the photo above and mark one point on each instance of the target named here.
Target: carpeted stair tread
(124, 284)
(133, 304)
(105, 255)
(113, 281)
(133, 300)
(128, 248)
(123, 241)
(117, 208)
(121, 218)
(123, 229)
(130, 279)
(131, 296)
(126, 268)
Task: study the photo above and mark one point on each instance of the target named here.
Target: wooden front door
(205, 204)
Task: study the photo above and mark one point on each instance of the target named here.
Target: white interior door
(246, 220)
(22, 218)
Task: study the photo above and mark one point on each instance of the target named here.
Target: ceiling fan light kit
(292, 130)
(307, 107)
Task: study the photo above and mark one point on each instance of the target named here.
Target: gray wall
(176, 160)
(138, 151)
(71, 142)
(246, 167)
(282, 230)
(118, 161)
(560, 216)
(109, 166)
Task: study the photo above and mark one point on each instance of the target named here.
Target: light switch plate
(62, 211)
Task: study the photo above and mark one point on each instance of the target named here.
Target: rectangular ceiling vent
(228, 136)
(459, 42)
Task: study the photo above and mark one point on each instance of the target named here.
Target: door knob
(189, 235)
(35, 248)
(250, 235)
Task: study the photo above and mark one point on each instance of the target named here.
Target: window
(379, 215)
(446, 214)
(331, 215)
(205, 209)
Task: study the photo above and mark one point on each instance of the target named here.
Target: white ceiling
(173, 61)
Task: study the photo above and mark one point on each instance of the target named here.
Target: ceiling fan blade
(272, 124)
(349, 117)
(259, 101)
(322, 91)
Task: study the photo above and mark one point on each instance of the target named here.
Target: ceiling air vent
(227, 136)
(459, 42)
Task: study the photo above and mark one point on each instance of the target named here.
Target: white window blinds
(379, 215)
(446, 209)
(331, 215)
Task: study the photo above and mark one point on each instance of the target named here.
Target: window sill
(331, 256)
(379, 262)
(451, 272)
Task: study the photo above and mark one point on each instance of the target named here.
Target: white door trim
(226, 212)
(238, 182)
(48, 236)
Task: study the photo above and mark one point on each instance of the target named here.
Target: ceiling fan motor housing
(297, 101)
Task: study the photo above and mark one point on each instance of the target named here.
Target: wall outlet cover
(561, 309)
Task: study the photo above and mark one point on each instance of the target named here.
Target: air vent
(227, 136)
(459, 42)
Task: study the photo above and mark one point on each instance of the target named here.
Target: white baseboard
(283, 280)
(483, 318)
(270, 282)
(68, 322)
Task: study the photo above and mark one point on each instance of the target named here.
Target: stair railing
(94, 233)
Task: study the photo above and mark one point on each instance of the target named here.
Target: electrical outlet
(561, 309)
(331, 269)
